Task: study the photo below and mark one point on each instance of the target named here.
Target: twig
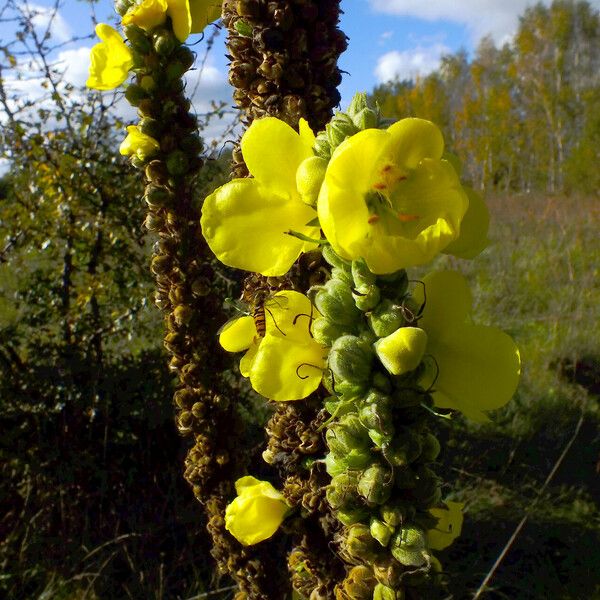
(520, 526)
(213, 592)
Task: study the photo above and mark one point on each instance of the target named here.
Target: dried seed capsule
(388, 572)
(358, 585)
(341, 492)
(359, 544)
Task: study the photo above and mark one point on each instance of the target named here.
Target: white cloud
(496, 17)
(42, 16)
(407, 64)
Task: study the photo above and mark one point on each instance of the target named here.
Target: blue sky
(387, 38)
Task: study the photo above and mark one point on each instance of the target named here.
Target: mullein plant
(365, 358)
(390, 354)
(166, 146)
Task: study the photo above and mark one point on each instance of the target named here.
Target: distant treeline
(522, 117)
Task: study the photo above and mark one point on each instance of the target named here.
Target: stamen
(373, 219)
(407, 218)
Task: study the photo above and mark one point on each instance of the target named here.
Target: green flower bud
(388, 572)
(343, 276)
(386, 318)
(408, 547)
(375, 484)
(138, 38)
(322, 147)
(338, 129)
(402, 351)
(361, 275)
(381, 531)
(355, 459)
(333, 259)
(396, 513)
(326, 332)
(383, 592)
(341, 492)
(376, 415)
(393, 285)
(404, 449)
(164, 42)
(404, 478)
(362, 115)
(426, 493)
(177, 163)
(338, 407)
(334, 301)
(346, 435)
(430, 448)
(366, 297)
(135, 94)
(350, 361)
(122, 6)
(150, 126)
(349, 516)
(184, 56)
(382, 383)
(309, 177)
(359, 544)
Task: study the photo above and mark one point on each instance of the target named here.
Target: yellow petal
(247, 360)
(448, 301)
(290, 315)
(245, 225)
(273, 152)
(179, 11)
(238, 334)
(256, 513)
(415, 139)
(287, 369)
(448, 527)
(479, 369)
(110, 60)
(138, 143)
(402, 351)
(147, 15)
(204, 12)
(473, 228)
(306, 133)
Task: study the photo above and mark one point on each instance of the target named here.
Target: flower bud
(362, 115)
(381, 383)
(408, 547)
(346, 435)
(396, 513)
(350, 362)
(322, 147)
(386, 318)
(122, 6)
(177, 163)
(393, 285)
(325, 332)
(366, 297)
(341, 492)
(358, 585)
(375, 484)
(361, 275)
(334, 301)
(426, 493)
(383, 592)
(402, 351)
(404, 449)
(430, 448)
(138, 38)
(388, 572)
(164, 42)
(135, 94)
(332, 258)
(150, 126)
(350, 516)
(359, 544)
(381, 531)
(157, 197)
(338, 129)
(309, 177)
(376, 415)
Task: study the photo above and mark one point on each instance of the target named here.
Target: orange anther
(407, 218)
(380, 186)
(373, 219)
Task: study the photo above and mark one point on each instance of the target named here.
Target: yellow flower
(388, 197)
(110, 60)
(138, 143)
(448, 527)
(287, 363)
(402, 351)
(477, 367)
(246, 221)
(187, 16)
(257, 511)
